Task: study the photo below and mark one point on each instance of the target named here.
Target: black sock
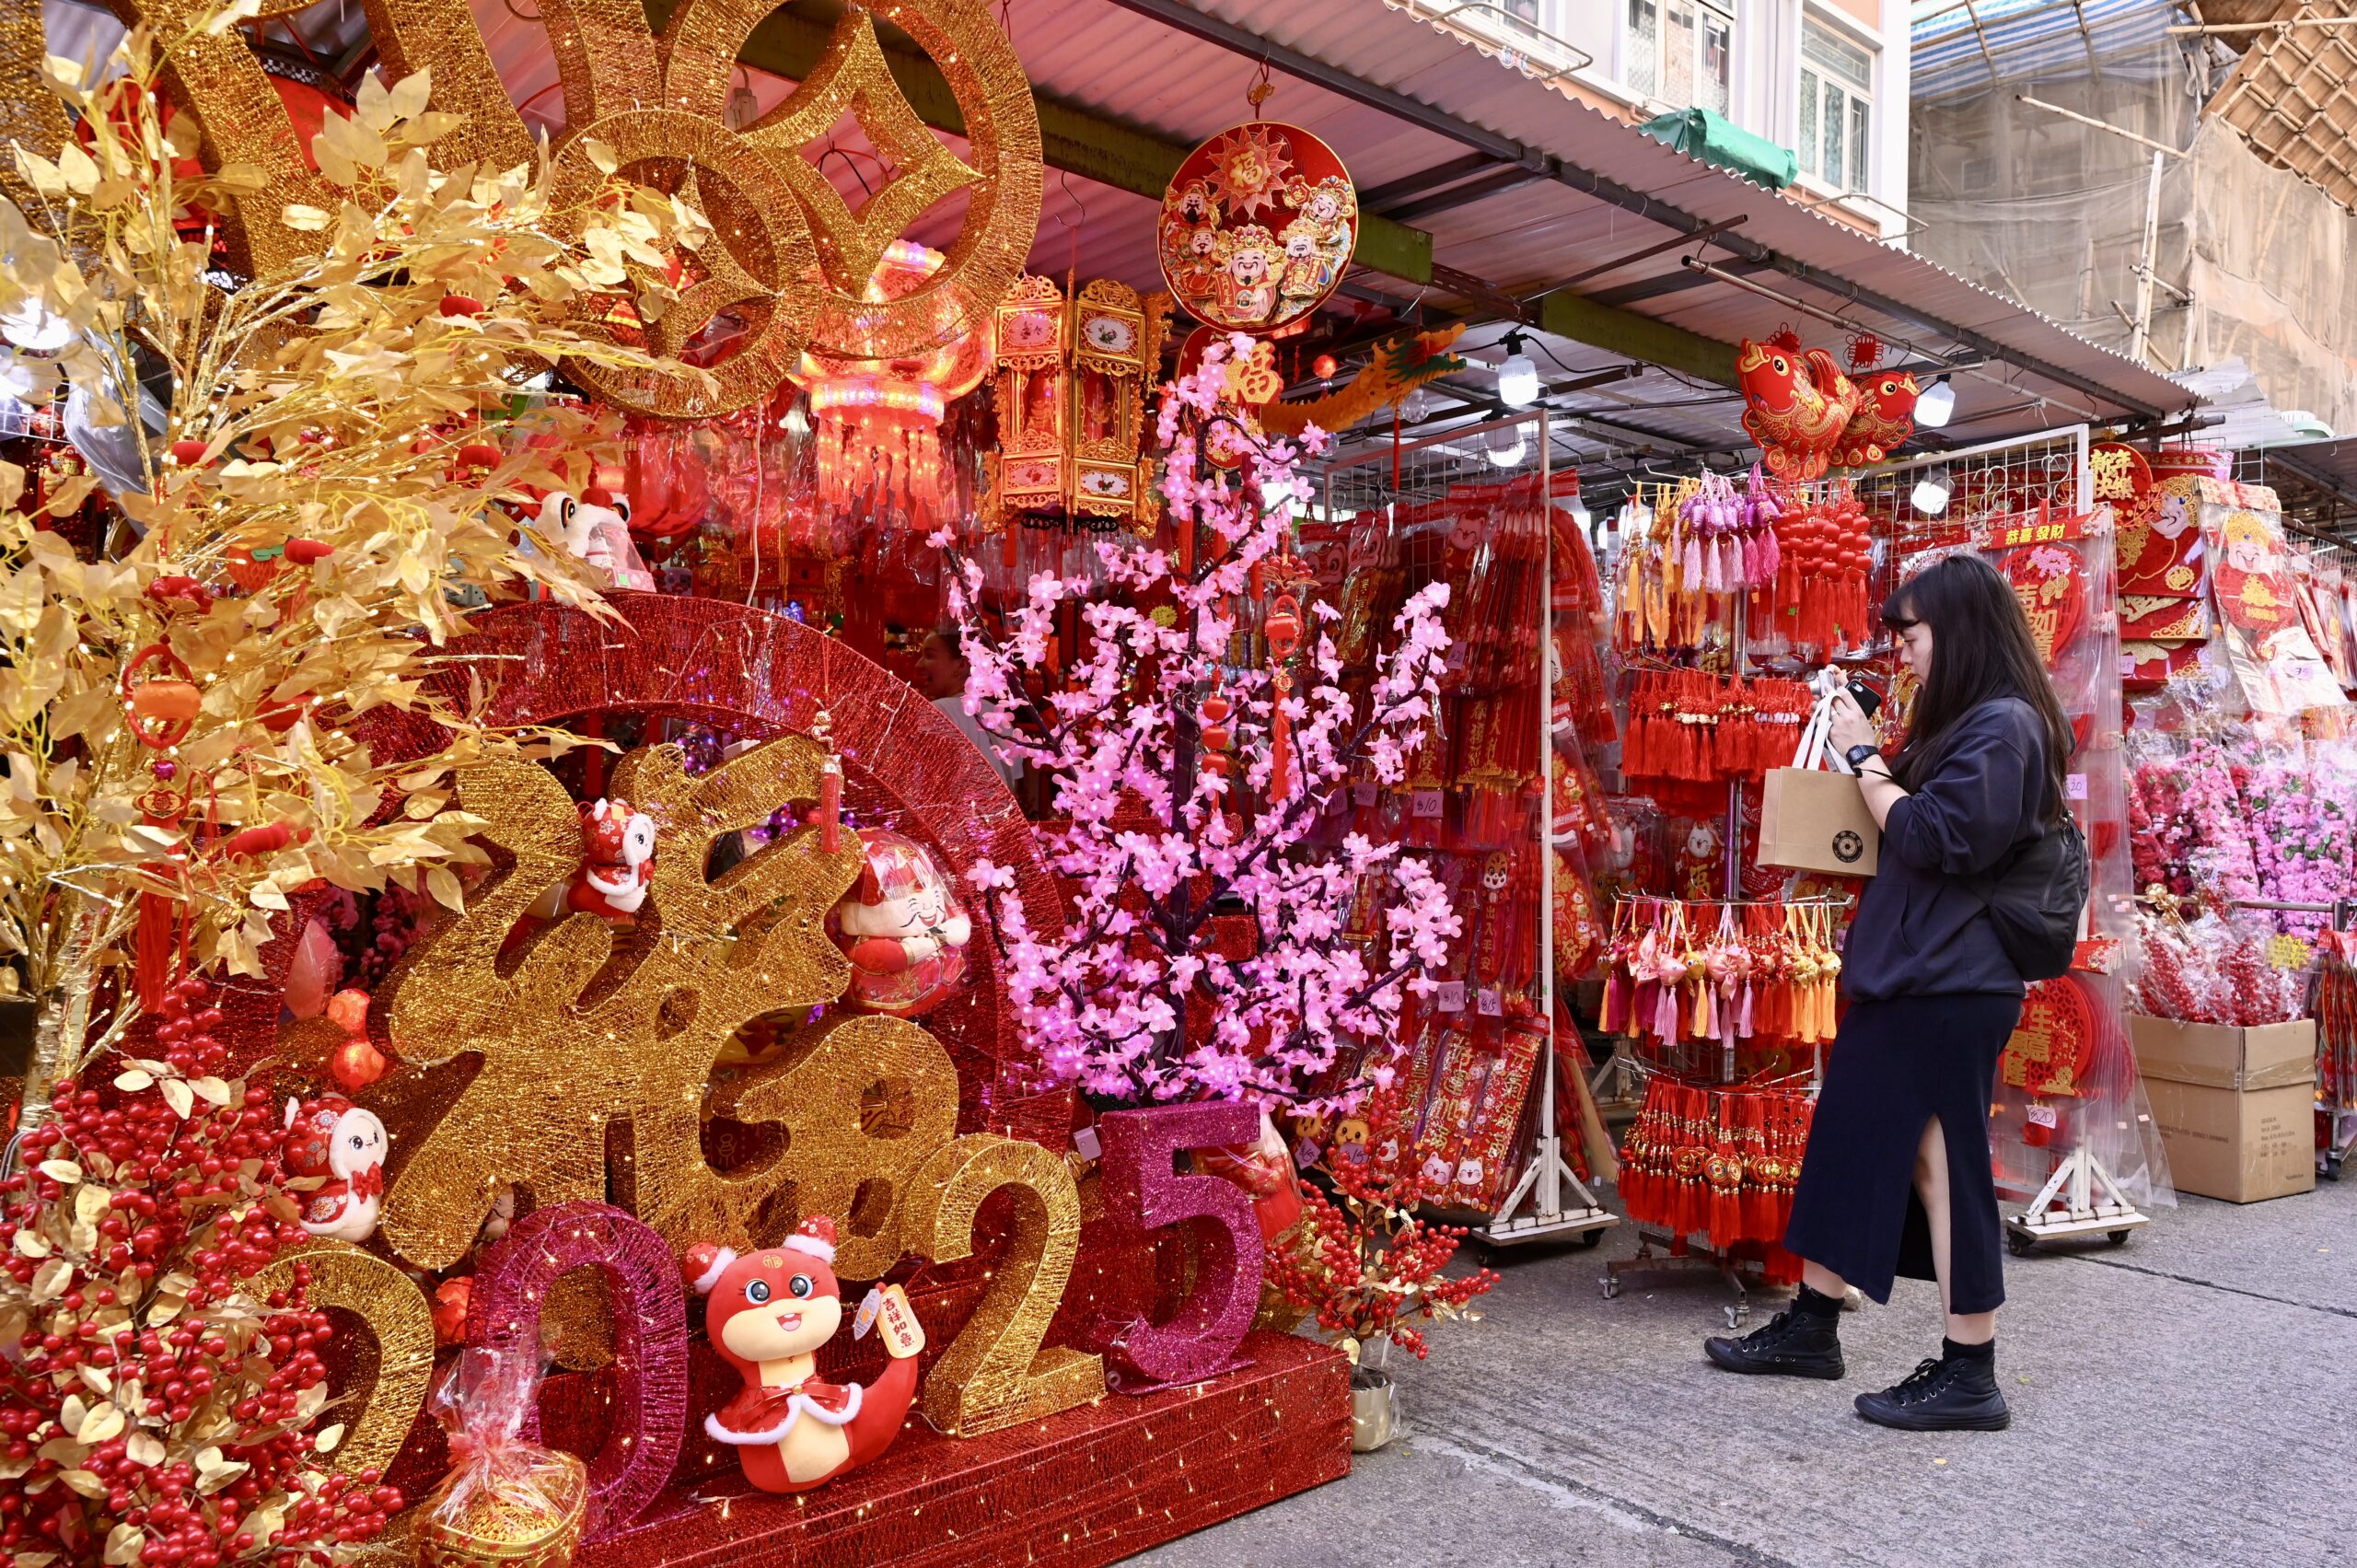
(1813, 1304)
(1985, 1351)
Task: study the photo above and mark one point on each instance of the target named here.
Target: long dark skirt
(1895, 1066)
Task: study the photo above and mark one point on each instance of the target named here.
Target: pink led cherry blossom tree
(1190, 786)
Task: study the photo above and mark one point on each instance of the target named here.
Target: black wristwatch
(1860, 755)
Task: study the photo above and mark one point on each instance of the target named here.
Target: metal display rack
(2340, 1136)
(2081, 1196)
(1548, 1200)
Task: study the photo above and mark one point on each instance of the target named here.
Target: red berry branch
(1366, 1265)
(152, 1410)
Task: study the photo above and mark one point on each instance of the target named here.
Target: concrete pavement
(2186, 1398)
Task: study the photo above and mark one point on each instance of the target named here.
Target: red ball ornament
(902, 928)
(1326, 365)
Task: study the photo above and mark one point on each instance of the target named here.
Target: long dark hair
(1981, 650)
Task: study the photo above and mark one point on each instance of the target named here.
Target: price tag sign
(2042, 1116)
(1489, 1003)
(1450, 997)
(2075, 785)
(1363, 792)
(1425, 803)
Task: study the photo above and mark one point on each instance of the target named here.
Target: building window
(1837, 107)
(1529, 29)
(1681, 53)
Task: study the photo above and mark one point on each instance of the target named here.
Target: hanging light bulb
(1504, 445)
(1932, 492)
(1936, 406)
(1518, 377)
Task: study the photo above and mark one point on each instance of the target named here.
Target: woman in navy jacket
(1897, 1177)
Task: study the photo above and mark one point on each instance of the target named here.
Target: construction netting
(2246, 259)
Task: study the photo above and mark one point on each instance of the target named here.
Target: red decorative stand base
(1089, 1486)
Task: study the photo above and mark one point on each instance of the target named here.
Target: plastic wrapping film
(2050, 211)
(2067, 1075)
(1475, 805)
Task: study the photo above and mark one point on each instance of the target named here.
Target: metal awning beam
(1375, 198)
(1495, 183)
(1179, 14)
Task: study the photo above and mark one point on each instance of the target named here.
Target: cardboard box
(2221, 1056)
(2235, 1107)
(1813, 820)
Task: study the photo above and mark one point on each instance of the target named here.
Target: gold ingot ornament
(788, 260)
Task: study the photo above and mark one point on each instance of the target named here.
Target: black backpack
(2035, 898)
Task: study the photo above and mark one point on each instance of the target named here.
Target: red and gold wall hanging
(1258, 227)
(1072, 376)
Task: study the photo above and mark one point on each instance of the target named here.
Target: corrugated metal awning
(1523, 189)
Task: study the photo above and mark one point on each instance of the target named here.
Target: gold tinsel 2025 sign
(789, 259)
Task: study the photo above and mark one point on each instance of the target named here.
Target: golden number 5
(843, 1162)
(994, 1374)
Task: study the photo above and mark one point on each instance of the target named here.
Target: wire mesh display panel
(1477, 1077)
(1973, 484)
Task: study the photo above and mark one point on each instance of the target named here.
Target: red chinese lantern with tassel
(878, 420)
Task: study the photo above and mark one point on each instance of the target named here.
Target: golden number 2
(391, 1390)
(840, 1165)
(994, 1374)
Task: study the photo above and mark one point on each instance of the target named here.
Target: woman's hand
(1849, 726)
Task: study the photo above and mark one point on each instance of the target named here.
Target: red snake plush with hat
(767, 1313)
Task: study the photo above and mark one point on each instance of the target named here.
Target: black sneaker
(1959, 1394)
(1794, 1345)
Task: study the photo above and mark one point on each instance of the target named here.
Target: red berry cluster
(1349, 1262)
(370, 951)
(117, 1297)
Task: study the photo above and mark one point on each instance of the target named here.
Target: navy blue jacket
(1920, 928)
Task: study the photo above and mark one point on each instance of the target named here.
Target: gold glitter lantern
(1071, 384)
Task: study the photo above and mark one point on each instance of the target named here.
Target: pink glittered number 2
(1143, 1193)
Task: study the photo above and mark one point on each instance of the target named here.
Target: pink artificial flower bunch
(1171, 841)
(2300, 832)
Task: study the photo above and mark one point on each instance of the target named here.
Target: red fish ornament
(1885, 418)
(1795, 417)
